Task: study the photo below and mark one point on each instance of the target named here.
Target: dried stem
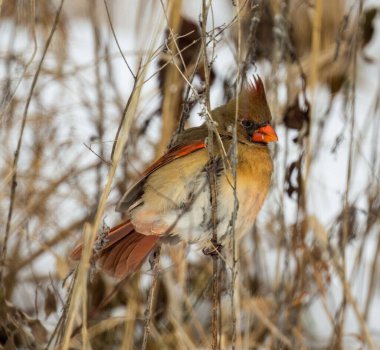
(99, 83)
(301, 259)
(117, 41)
(346, 204)
(84, 264)
(234, 163)
(151, 296)
(212, 182)
(3, 252)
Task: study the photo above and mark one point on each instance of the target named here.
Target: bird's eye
(247, 124)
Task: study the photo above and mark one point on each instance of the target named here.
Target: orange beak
(265, 134)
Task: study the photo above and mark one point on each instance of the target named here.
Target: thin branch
(3, 252)
(213, 185)
(150, 301)
(117, 41)
(234, 161)
(97, 155)
(122, 118)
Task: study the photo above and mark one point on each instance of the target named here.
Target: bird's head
(254, 117)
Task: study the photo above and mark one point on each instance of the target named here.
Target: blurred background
(308, 275)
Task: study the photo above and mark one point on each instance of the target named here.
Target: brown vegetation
(79, 121)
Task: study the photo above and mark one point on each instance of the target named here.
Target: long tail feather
(124, 252)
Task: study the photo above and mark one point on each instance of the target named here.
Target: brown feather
(125, 257)
(111, 257)
(76, 253)
(252, 106)
(124, 251)
(116, 234)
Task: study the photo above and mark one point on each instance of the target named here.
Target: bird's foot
(213, 250)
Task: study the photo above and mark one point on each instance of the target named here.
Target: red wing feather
(140, 251)
(127, 256)
(175, 153)
(112, 256)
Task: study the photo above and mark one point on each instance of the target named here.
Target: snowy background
(77, 105)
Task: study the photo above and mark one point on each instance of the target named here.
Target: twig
(117, 41)
(119, 148)
(130, 317)
(214, 252)
(366, 334)
(58, 330)
(97, 155)
(171, 97)
(62, 235)
(122, 118)
(212, 182)
(150, 301)
(234, 160)
(99, 123)
(3, 252)
(346, 204)
(10, 95)
(255, 20)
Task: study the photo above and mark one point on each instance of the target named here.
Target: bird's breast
(177, 199)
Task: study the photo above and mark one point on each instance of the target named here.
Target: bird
(172, 198)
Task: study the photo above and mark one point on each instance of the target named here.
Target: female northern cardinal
(173, 196)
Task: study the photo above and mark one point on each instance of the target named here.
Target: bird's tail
(123, 252)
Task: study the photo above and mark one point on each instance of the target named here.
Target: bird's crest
(252, 105)
(253, 101)
(255, 89)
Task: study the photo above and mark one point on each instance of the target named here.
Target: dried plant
(93, 91)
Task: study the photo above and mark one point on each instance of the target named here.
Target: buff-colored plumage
(173, 196)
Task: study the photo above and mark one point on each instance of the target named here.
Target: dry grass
(75, 135)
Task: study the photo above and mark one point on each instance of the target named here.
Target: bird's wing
(135, 192)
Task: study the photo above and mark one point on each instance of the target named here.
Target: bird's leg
(214, 250)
